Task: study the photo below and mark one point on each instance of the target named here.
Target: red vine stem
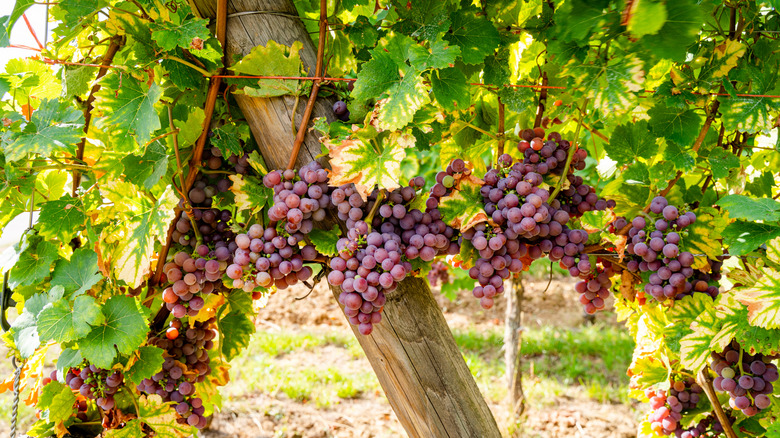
(501, 127)
(315, 89)
(542, 100)
(111, 51)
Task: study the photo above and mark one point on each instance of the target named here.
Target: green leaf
(743, 237)
(325, 240)
(752, 114)
(424, 19)
(403, 100)
(631, 141)
(272, 60)
(79, 273)
(744, 207)
(725, 57)
(647, 18)
(722, 161)
(680, 156)
(57, 400)
(190, 130)
(681, 29)
(237, 330)
(763, 300)
(148, 361)
(125, 109)
(69, 358)
(227, 140)
(25, 334)
(451, 89)
(375, 77)
(34, 263)
(8, 21)
(476, 36)
(77, 80)
(463, 208)
(250, 193)
(146, 170)
(357, 161)
(439, 56)
(695, 347)
(158, 416)
(55, 126)
(60, 322)
(62, 219)
(169, 35)
(71, 13)
(575, 20)
(678, 125)
(362, 33)
(703, 236)
(123, 330)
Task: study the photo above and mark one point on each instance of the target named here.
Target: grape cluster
(265, 258)
(445, 181)
(341, 111)
(439, 272)
(707, 427)
(594, 287)
(668, 406)
(191, 278)
(186, 363)
(656, 249)
(747, 378)
(95, 383)
(701, 280)
(300, 198)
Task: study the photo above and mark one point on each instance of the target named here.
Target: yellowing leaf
(367, 160)
(763, 300)
(463, 209)
(272, 60)
(250, 193)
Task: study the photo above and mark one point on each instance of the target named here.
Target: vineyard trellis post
(412, 352)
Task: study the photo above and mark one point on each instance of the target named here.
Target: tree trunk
(412, 350)
(513, 339)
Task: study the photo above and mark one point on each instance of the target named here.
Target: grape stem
(501, 134)
(374, 208)
(705, 381)
(180, 171)
(572, 150)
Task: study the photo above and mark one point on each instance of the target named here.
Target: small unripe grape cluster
(94, 383)
(263, 258)
(300, 198)
(746, 377)
(668, 406)
(186, 363)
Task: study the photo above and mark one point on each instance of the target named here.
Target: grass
(587, 362)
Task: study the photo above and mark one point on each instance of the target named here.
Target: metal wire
(15, 408)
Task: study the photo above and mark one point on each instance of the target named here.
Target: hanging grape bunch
(670, 405)
(594, 287)
(94, 383)
(439, 273)
(745, 377)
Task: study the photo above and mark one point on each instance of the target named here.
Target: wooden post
(513, 340)
(412, 350)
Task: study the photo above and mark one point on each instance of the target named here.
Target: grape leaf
(55, 126)
(70, 13)
(647, 370)
(362, 33)
(647, 18)
(79, 273)
(703, 236)
(237, 330)
(357, 161)
(375, 77)
(744, 207)
(127, 246)
(463, 209)
(250, 193)
(424, 19)
(169, 35)
(679, 156)
(725, 57)
(60, 322)
(124, 109)
(325, 240)
(143, 365)
(56, 400)
(440, 56)
(25, 334)
(630, 141)
(76, 80)
(575, 20)
(678, 125)
(70, 357)
(227, 140)
(451, 89)
(695, 346)
(156, 415)
(124, 330)
(681, 29)
(272, 60)
(476, 36)
(403, 100)
(33, 264)
(763, 300)
(743, 237)
(8, 21)
(721, 162)
(146, 170)
(62, 219)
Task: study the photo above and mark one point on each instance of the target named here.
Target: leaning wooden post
(412, 350)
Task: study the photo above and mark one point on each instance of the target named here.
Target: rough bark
(412, 350)
(513, 339)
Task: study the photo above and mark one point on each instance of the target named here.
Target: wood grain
(412, 350)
